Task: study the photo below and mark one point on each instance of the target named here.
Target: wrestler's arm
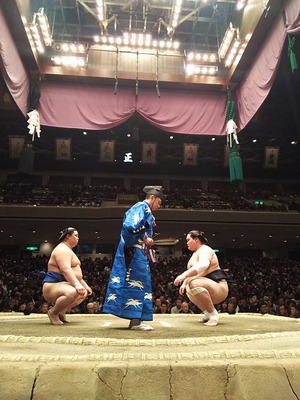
(86, 286)
(63, 260)
(202, 263)
(183, 287)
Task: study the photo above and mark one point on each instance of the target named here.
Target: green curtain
(291, 42)
(235, 162)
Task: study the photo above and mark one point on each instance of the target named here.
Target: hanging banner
(190, 154)
(271, 157)
(149, 153)
(63, 149)
(107, 150)
(15, 146)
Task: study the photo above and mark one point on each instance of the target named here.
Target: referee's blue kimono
(129, 291)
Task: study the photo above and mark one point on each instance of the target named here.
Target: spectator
(231, 307)
(164, 308)
(265, 308)
(294, 311)
(157, 306)
(283, 311)
(185, 308)
(90, 309)
(254, 304)
(223, 307)
(30, 308)
(176, 309)
(243, 306)
(97, 307)
(44, 308)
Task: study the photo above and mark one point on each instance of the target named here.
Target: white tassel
(231, 130)
(34, 123)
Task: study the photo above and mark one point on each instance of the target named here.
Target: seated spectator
(44, 308)
(97, 307)
(294, 311)
(185, 308)
(176, 309)
(231, 307)
(223, 307)
(30, 308)
(243, 306)
(283, 311)
(22, 307)
(164, 309)
(157, 306)
(254, 304)
(266, 309)
(90, 309)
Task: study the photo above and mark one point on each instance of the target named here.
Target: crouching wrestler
(204, 282)
(63, 284)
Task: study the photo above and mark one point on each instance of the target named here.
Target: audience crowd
(265, 286)
(219, 197)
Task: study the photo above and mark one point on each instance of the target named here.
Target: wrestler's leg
(205, 293)
(200, 296)
(198, 302)
(63, 295)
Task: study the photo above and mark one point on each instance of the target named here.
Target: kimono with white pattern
(129, 290)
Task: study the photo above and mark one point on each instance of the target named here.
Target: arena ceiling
(200, 27)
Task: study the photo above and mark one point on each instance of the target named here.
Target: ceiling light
(239, 54)
(101, 10)
(192, 69)
(199, 56)
(226, 42)
(232, 53)
(175, 13)
(133, 40)
(70, 54)
(44, 27)
(70, 47)
(40, 31)
(69, 61)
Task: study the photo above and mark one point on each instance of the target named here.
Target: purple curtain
(256, 85)
(83, 106)
(12, 68)
(98, 108)
(201, 113)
